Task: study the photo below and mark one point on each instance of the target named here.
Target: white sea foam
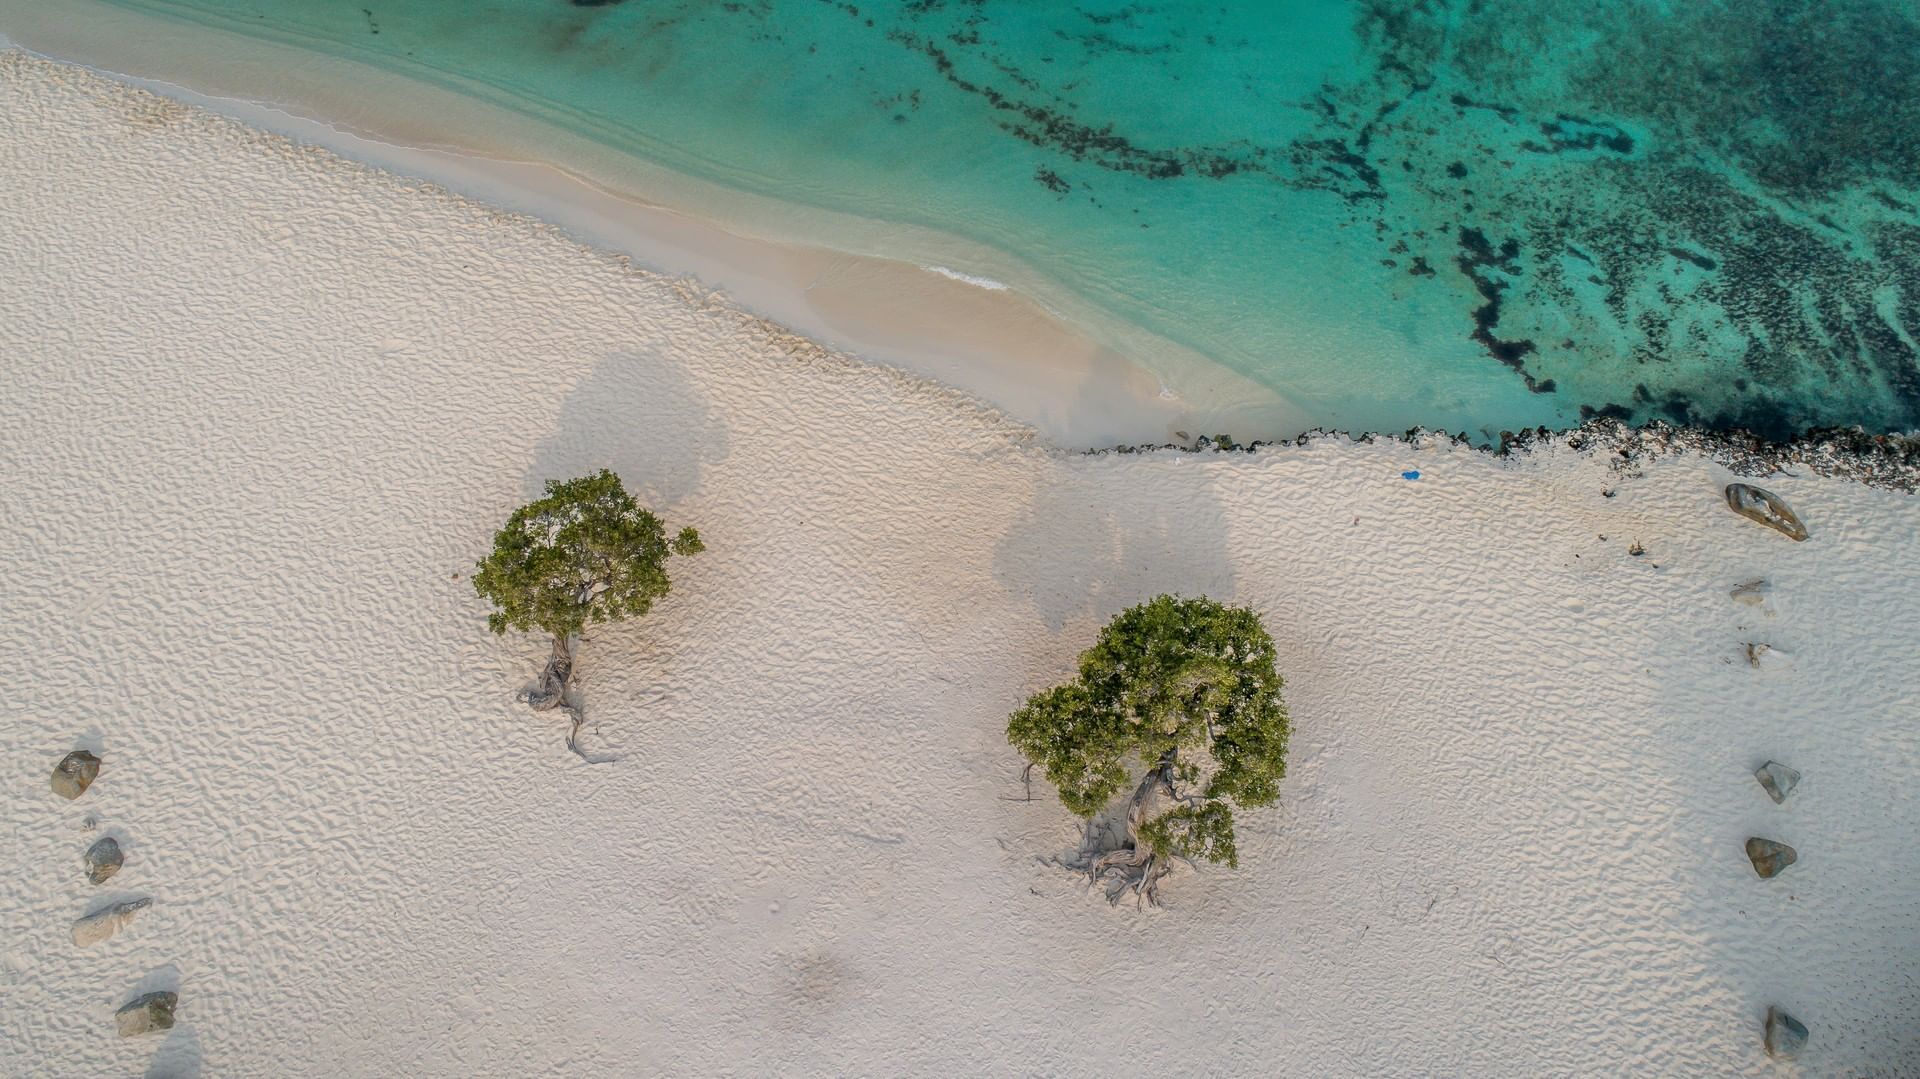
(972, 279)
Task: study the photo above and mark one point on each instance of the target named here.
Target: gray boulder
(103, 859)
(75, 773)
(1785, 1034)
(1777, 779)
(146, 1014)
(1769, 858)
(98, 925)
(1765, 507)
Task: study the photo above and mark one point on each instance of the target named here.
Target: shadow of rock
(178, 1057)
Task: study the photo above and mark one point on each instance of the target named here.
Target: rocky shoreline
(1891, 462)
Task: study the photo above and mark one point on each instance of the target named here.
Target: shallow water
(1477, 214)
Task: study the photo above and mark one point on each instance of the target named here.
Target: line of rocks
(148, 1012)
(1783, 1035)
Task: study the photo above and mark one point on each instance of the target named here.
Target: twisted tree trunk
(550, 692)
(1134, 866)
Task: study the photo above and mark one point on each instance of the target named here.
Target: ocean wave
(967, 278)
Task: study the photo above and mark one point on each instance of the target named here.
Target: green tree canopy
(586, 552)
(1187, 688)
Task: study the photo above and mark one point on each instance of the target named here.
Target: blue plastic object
(1414, 475)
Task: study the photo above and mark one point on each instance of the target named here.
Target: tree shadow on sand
(1092, 543)
(1098, 540)
(1062, 554)
(638, 415)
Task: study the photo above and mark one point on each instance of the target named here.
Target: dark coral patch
(1722, 256)
(1480, 261)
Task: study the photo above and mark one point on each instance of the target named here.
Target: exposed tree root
(1138, 870)
(1133, 866)
(551, 691)
(573, 741)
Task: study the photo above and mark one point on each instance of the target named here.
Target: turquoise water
(1476, 214)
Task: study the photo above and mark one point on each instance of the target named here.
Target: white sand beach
(264, 407)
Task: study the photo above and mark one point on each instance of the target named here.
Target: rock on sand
(103, 859)
(148, 1013)
(1769, 857)
(108, 920)
(1765, 507)
(1785, 1034)
(75, 773)
(1778, 780)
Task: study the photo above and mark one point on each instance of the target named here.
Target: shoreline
(967, 331)
(881, 289)
(254, 444)
(992, 327)
(1889, 462)
(976, 334)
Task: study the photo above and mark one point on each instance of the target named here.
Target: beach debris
(108, 920)
(1410, 474)
(1763, 506)
(1785, 1034)
(146, 1014)
(75, 773)
(1753, 593)
(1778, 780)
(1767, 657)
(1769, 857)
(103, 859)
